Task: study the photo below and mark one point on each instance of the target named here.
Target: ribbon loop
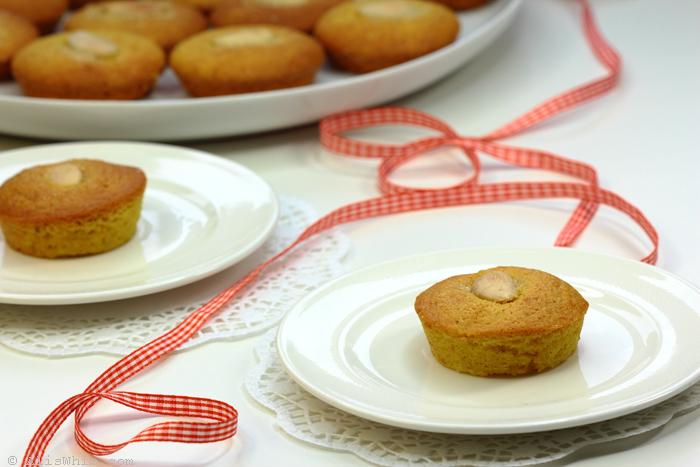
(400, 155)
(223, 418)
(419, 148)
(332, 129)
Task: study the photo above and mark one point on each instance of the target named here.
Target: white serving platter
(169, 115)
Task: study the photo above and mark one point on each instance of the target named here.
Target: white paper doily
(119, 327)
(307, 418)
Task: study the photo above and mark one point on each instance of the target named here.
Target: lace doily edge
(266, 357)
(344, 247)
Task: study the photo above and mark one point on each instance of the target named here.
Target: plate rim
(555, 423)
(217, 264)
(511, 7)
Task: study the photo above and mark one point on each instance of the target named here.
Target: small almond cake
(43, 13)
(366, 35)
(90, 64)
(246, 58)
(204, 5)
(165, 23)
(71, 208)
(297, 14)
(504, 321)
(15, 33)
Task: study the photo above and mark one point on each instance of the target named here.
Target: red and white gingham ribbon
(221, 417)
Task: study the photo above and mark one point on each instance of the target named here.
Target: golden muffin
(43, 13)
(165, 23)
(71, 208)
(246, 58)
(297, 14)
(366, 35)
(89, 65)
(204, 5)
(463, 4)
(502, 321)
(15, 33)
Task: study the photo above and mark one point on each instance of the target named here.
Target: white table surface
(642, 139)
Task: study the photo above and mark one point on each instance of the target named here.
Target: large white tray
(169, 115)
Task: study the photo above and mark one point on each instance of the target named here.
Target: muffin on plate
(43, 13)
(165, 23)
(71, 208)
(504, 321)
(15, 33)
(86, 64)
(367, 35)
(246, 58)
(297, 14)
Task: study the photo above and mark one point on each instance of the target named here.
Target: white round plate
(200, 214)
(169, 115)
(357, 344)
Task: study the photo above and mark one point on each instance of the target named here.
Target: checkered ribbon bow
(219, 419)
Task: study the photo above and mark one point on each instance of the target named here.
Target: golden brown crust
(245, 59)
(504, 356)
(463, 4)
(15, 32)
(544, 304)
(53, 67)
(44, 13)
(297, 14)
(367, 35)
(204, 5)
(165, 23)
(33, 197)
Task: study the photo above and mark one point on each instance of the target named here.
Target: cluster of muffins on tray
(118, 49)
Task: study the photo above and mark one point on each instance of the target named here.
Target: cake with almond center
(71, 208)
(504, 321)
